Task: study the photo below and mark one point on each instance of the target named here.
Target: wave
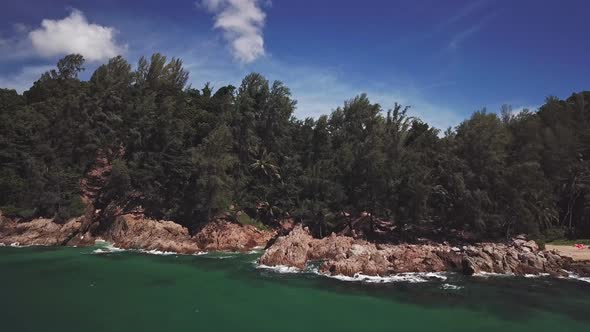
(107, 249)
(411, 277)
(492, 274)
(451, 287)
(279, 268)
(575, 276)
(158, 252)
(18, 245)
(540, 275)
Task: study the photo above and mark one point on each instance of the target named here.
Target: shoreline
(407, 277)
(337, 256)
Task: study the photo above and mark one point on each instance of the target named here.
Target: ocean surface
(101, 289)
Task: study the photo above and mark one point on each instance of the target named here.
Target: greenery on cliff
(186, 154)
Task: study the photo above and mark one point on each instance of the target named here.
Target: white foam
(574, 276)
(2, 244)
(18, 245)
(158, 252)
(108, 248)
(279, 268)
(400, 277)
(492, 274)
(451, 287)
(540, 275)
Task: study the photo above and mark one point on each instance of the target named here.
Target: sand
(571, 251)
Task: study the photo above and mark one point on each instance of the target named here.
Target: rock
(291, 250)
(223, 235)
(343, 255)
(43, 232)
(136, 232)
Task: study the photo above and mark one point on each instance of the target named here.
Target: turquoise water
(72, 289)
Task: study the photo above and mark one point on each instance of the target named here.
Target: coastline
(336, 256)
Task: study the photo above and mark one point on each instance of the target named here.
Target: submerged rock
(342, 255)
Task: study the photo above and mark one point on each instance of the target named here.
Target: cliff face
(342, 255)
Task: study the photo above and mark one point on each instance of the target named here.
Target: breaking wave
(359, 277)
(279, 268)
(400, 277)
(577, 277)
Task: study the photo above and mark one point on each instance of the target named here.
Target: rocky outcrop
(222, 235)
(341, 255)
(45, 232)
(291, 250)
(518, 257)
(136, 232)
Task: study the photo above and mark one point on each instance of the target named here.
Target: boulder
(136, 232)
(42, 232)
(291, 250)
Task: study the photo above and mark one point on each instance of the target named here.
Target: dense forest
(187, 154)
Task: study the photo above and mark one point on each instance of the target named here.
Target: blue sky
(444, 58)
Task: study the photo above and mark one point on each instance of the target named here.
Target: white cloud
(241, 22)
(320, 90)
(23, 80)
(74, 34)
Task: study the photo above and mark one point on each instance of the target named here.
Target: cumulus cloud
(74, 34)
(241, 22)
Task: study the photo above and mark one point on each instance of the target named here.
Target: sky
(445, 59)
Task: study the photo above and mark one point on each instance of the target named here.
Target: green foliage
(187, 154)
(245, 219)
(74, 208)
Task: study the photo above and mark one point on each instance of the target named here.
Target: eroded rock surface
(343, 255)
(45, 232)
(136, 232)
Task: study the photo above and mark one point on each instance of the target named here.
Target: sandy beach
(571, 251)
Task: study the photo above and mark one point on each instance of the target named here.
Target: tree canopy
(187, 154)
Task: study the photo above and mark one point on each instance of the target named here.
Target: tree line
(187, 154)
